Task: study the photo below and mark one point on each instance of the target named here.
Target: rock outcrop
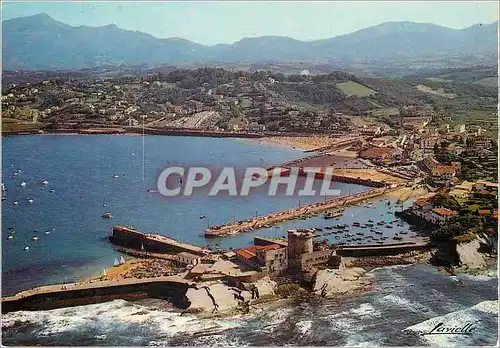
(469, 255)
(216, 297)
(330, 282)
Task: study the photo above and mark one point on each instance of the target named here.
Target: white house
(185, 258)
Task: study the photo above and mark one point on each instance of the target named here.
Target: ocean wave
(390, 267)
(107, 319)
(480, 316)
(413, 306)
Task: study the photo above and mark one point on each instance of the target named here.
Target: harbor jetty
(132, 239)
(172, 288)
(383, 249)
(273, 218)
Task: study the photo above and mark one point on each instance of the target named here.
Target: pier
(276, 217)
(133, 239)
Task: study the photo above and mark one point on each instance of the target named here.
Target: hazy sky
(226, 22)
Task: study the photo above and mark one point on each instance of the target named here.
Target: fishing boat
(107, 215)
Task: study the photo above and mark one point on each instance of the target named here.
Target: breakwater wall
(380, 250)
(334, 177)
(194, 132)
(172, 289)
(272, 218)
(132, 239)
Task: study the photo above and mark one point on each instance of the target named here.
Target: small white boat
(34, 238)
(122, 260)
(3, 187)
(26, 248)
(10, 237)
(51, 191)
(47, 232)
(45, 182)
(115, 263)
(16, 203)
(23, 184)
(30, 201)
(116, 176)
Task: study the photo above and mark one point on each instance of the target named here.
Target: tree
(436, 148)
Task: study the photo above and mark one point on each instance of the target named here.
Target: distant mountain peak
(41, 42)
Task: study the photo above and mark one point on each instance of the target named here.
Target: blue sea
(90, 175)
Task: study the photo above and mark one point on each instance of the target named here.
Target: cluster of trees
(464, 224)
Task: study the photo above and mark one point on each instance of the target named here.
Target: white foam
(106, 316)
(404, 303)
(304, 327)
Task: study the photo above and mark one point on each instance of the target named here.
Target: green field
(438, 92)
(350, 88)
(488, 82)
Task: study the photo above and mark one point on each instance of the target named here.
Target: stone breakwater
(272, 218)
(171, 288)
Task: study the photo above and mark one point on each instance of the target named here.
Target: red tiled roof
(250, 252)
(444, 212)
(483, 211)
(421, 202)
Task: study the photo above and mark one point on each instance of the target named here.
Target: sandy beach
(301, 143)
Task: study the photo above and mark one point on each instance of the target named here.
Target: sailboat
(115, 263)
(122, 260)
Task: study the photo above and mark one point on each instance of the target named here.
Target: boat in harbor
(317, 229)
(333, 214)
(356, 224)
(328, 227)
(397, 238)
(107, 215)
(122, 260)
(115, 263)
(388, 226)
(381, 223)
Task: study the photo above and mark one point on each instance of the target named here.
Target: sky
(209, 23)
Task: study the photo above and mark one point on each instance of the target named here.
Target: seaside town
(447, 170)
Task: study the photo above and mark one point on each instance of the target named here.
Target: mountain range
(41, 43)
